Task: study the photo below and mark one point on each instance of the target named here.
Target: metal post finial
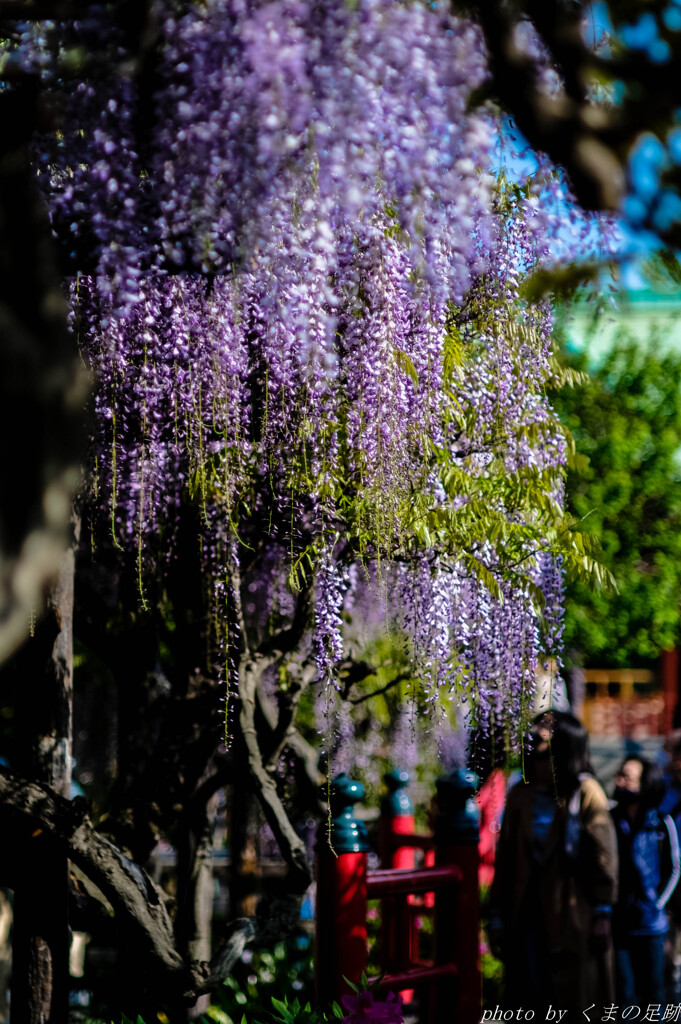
(348, 833)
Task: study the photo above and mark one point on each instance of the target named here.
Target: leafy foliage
(282, 972)
(624, 488)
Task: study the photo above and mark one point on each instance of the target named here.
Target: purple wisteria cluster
(299, 294)
(478, 643)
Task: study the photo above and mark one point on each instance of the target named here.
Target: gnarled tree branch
(133, 896)
(290, 845)
(138, 905)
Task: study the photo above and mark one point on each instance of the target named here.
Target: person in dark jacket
(648, 850)
(671, 805)
(556, 876)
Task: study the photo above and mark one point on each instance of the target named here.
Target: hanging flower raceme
(301, 300)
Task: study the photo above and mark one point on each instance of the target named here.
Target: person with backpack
(556, 876)
(650, 867)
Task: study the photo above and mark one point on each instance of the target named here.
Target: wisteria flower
(300, 297)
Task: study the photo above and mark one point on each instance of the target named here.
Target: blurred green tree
(625, 486)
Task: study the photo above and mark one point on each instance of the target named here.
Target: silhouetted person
(649, 872)
(556, 876)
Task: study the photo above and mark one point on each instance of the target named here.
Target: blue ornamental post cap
(397, 802)
(348, 834)
(459, 817)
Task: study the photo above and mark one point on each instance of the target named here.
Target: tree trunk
(241, 878)
(195, 893)
(43, 677)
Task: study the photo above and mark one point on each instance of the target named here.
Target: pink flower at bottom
(363, 1009)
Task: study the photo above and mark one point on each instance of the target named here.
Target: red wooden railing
(448, 985)
(405, 967)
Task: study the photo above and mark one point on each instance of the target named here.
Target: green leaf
(284, 1012)
(561, 282)
(483, 574)
(406, 365)
(453, 353)
(567, 376)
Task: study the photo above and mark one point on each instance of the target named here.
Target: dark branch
(287, 640)
(383, 689)
(351, 672)
(577, 135)
(224, 775)
(239, 934)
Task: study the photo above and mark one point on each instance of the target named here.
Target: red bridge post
(457, 916)
(341, 894)
(397, 819)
